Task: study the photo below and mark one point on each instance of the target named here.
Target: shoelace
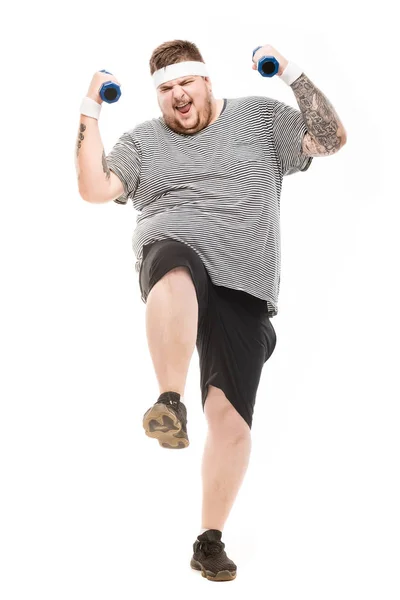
(211, 546)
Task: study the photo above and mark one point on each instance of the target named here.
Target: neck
(216, 110)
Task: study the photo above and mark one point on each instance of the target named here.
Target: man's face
(191, 88)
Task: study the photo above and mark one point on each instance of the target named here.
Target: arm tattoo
(81, 137)
(323, 124)
(105, 166)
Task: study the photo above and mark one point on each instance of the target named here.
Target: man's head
(195, 89)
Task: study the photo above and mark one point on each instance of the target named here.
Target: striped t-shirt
(218, 191)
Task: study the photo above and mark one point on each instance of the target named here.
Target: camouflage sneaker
(166, 421)
(210, 557)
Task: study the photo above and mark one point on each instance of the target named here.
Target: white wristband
(291, 73)
(90, 108)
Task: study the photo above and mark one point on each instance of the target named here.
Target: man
(206, 178)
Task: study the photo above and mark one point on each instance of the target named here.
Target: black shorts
(235, 335)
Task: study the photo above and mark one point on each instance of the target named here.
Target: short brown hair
(173, 52)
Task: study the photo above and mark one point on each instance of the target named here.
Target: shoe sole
(161, 423)
(220, 576)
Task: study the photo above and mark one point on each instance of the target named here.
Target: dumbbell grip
(267, 60)
(109, 85)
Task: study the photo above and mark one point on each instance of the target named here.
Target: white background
(90, 508)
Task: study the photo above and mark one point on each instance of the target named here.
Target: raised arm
(325, 132)
(97, 184)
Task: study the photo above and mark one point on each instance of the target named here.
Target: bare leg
(171, 327)
(225, 459)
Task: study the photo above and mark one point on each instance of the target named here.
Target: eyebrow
(165, 87)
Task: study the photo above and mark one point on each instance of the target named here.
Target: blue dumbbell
(109, 91)
(267, 66)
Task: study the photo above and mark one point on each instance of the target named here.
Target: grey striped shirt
(218, 191)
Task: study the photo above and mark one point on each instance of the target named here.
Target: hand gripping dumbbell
(267, 66)
(109, 91)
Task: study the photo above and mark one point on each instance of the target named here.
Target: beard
(196, 122)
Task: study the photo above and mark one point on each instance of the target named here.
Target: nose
(177, 92)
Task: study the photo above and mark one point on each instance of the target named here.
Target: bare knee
(222, 416)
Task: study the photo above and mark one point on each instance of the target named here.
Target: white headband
(190, 67)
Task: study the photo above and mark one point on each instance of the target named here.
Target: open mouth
(184, 109)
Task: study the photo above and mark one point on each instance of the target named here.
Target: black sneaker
(166, 421)
(210, 557)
